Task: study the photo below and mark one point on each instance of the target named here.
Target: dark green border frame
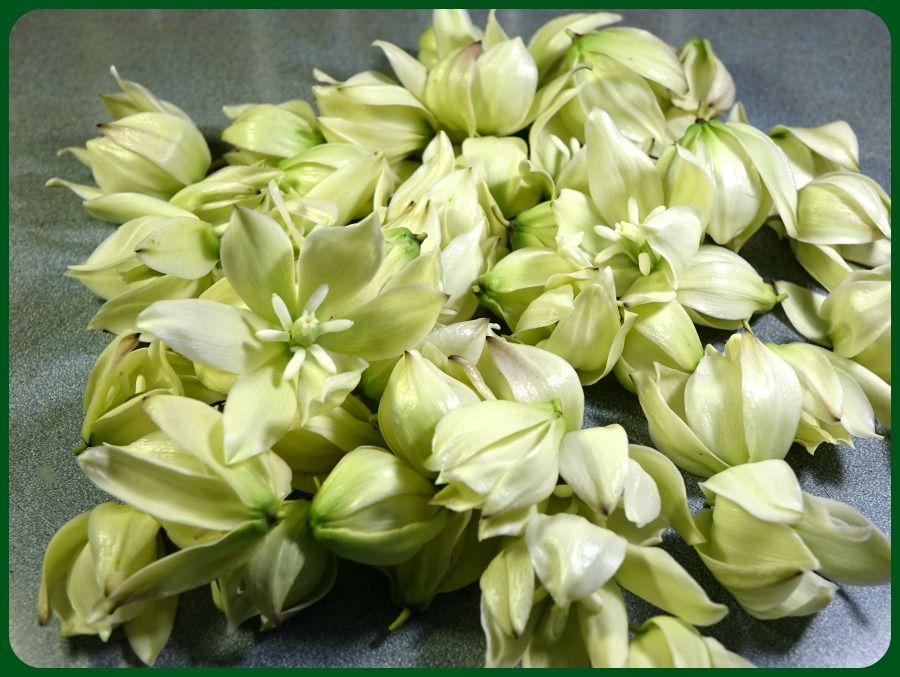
(10, 13)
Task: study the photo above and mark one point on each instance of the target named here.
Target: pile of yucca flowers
(364, 335)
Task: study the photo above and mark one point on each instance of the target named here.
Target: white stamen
(323, 358)
(560, 146)
(278, 199)
(334, 326)
(281, 310)
(645, 264)
(273, 335)
(140, 383)
(316, 298)
(293, 366)
(633, 211)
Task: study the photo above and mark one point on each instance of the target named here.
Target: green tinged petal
(594, 462)
(344, 258)
(260, 409)
(397, 320)
(673, 495)
(165, 490)
(417, 396)
(849, 547)
(768, 490)
(532, 375)
(771, 397)
(572, 557)
(191, 567)
(206, 331)
(148, 633)
(655, 576)
(183, 247)
(258, 260)
(375, 508)
(618, 170)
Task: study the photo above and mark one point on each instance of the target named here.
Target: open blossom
(309, 329)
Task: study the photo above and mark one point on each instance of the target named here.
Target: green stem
(400, 620)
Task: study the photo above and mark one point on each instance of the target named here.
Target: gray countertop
(793, 67)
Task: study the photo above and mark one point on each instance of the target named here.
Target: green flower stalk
(768, 542)
(375, 508)
(309, 330)
(738, 407)
(87, 559)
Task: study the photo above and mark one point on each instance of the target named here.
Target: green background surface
(800, 68)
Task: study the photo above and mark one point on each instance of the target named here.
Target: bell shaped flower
(303, 341)
(214, 198)
(738, 407)
(497, 456)
(814, 151)
(835, 407)
(520, 278)
(710, 88)
(268, 133)
(842, 208)
(632, 490)
(88, 558)
(622, 59)
(417, 396)
(123, 376)
(854, 318)
(661, 333)
(373, 112)
(523, 373)
(355, 180)
(554, 38)
(375, 508)
(636, 215)
(474, 83)
(666, 642)
(750, 175)
(451, 560)
(720, 289)
(581, 323)
(552, 599)
(535, 227)
(180, 475)
(775, 547)
(152, 147)
(149, 258)
(287, 572)
(502, 163)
